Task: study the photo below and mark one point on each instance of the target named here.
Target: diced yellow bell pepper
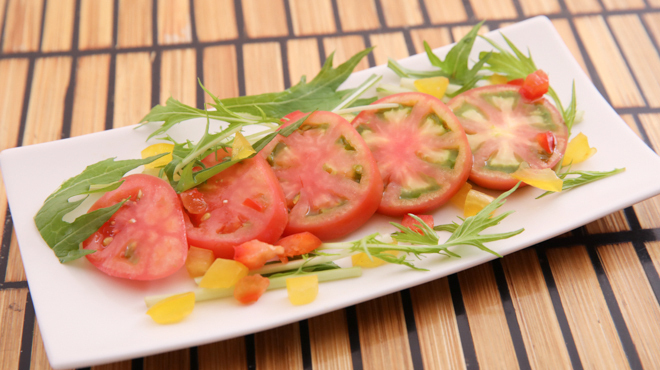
(198, 261)
(497, 79)
(458, 199)
(436, 86)
(173, 309)
(475, 201)
(578, 150)
(363, 260)
(545, 179)
(223, 273)
(302, 289)
(241, 148)
(155, 149)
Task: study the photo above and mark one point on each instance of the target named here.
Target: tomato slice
(193, 201)
(146, 238)
(329, 177)
(547, 141)
(502, 129)
(421, 150)
(413, 224)
(244, 202)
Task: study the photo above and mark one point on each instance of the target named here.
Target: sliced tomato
(250, 288)
(413, 224)
(517, 82)
(329, 177)
(421, 150)
(146, 238)
(298, 244)
(503, 130)
(535, 86)
(254, 254)
(244, 202)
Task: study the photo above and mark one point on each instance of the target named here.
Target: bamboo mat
(587, 299)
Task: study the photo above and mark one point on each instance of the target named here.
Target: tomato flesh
(250, 288)
(254, 254)
(329, 177)
(193, 201)
(146, 238)
(502, 128)
(410, 222)
(547, 141)
(244, 202)
(298, 244)
(421, 150)
(535, 86)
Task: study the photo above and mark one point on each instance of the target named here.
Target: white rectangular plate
(88, 318)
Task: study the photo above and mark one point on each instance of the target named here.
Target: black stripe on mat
(354, 337)
(43, 22)
(110, 101)
(194, 358)
(250, 352)
(4, 24)
(411, 328)
(305, 344)
(5, 244)
(337, 18)
(469, 353)
(25, 356)
(381, 15)
(591, 69)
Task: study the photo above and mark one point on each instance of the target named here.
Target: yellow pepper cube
(436, 86)
(173, 309)
(302, 289)
(223, 274)
(198, 261)
(363, 260)
(241, 148)
(475, 201)
(155, 149)
(458, 200)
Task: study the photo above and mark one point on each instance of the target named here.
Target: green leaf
(64, 237)
(515, 66)
(583, 178)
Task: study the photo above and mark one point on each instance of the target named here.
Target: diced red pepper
(410, 222)
(298, 244)
(250, 288)
(193, 201)
(535, 86)
(254, 254)
(547, 141)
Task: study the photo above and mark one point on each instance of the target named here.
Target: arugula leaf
(64, 237)
(583, 178)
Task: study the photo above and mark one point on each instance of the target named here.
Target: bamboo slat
(264, 18)
(312, 17)
(90, 95)
(641, 54)
(383, 337)
(651, 124)
(23, 26)
(135, 23)
(179, 360)
(3, 7)
(630, 121)
(96, 24)
(329, 341)
(220, 74)
(611, 223)
(652, 23)
(215, 20)
(540, 329)
(304, 59)
(593, 330)
(262, 64)
(648, 211)
(609, 62)
(654, 252)
(38, 359)
(12, 311)
(614, 5)
(446, 11)
(536, 7)
(178, 76)
(124, 365)
(636, 299)
(132, 98)
(279, 348)
(344, 47)
(583, 6)
(567, 35)
(490, 332)
(174, 22)
(358, 15)
(228, 354)
(435, 319)
(58, 26)
(399, 13)
(388, 45)
(15, 271)
(459, 32)
(492, 10)
(435, 37)
(46, 107)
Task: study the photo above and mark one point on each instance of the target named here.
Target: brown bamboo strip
(303, 56)
(651, 124)
(446, 11)
(383, 336)
(630, 121)
(46, 107)
(648, 212)
(611, 223)
(179, 360)
(3, 6)
(583, 6)
(132, 88)
(228, 354)
(483, 305)
(95, 24)
(23, 26)
(595, 335)
(90, 95)
(536, 7)
(135, 23)
(220, 74)
(358, 15)
(654, 252)
(262, 64)
(402, 13)
(38, 359)
(312, 17)
(435, 319)
(538, 323)
(344, 47)
(388, 45)
(174, 25)
(58, 26)
(215, 20)
(178, 77)
(15, 271)
(330, 345)
(279, 348)
(608, 61)
(652, 22)
(12, 312)
(435, 37)
(492, 10)
(636, 299)
(624, 4)
(564, 28)
(642, 56)
(124, 365)
(264, 18)
(459, 32)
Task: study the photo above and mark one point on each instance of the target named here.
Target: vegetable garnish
(173, 309)
(583, 177)
(578, 150)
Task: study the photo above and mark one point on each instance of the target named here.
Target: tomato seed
(206, 216)
(107, 241)
(139, 195)
(131, 221)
